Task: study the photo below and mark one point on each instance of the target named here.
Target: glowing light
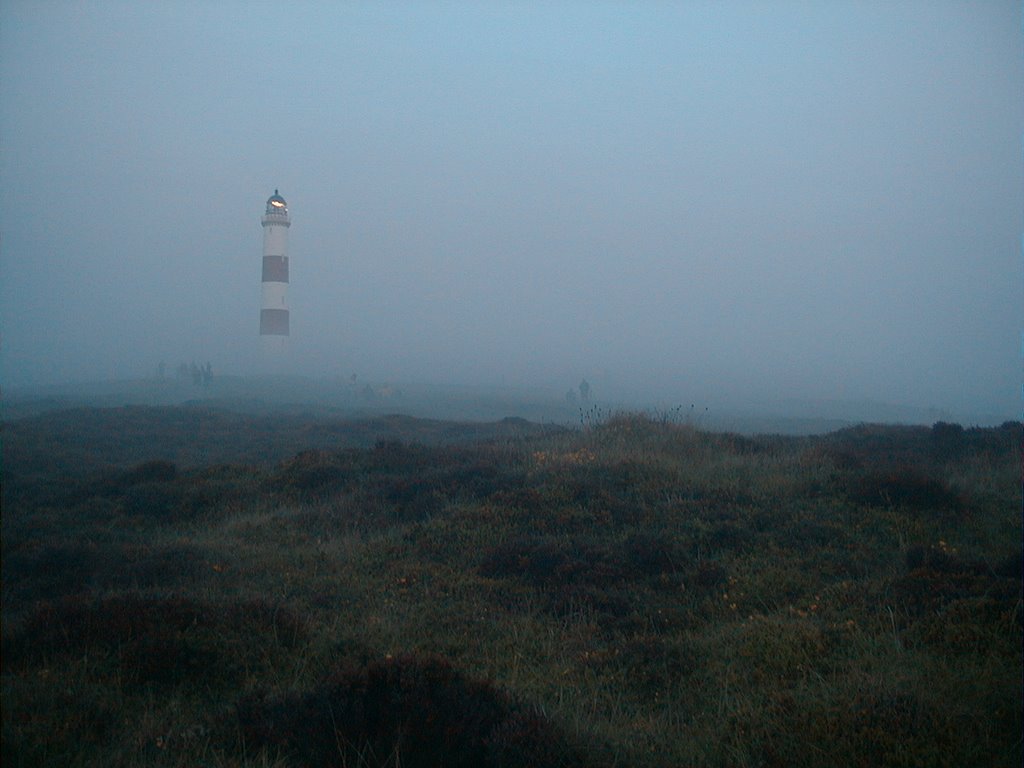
(277, 203)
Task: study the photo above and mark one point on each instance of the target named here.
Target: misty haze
(511, 383)
(720, 206)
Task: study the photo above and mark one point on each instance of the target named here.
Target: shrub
(888, 720)
(59, 570)
(977, 626)
(215, 489)
(655, 665)
(942, 580)
(155, 471)
(775, 648)
(948, 440)
(399, 457)
(728, 535)
(47, 721)
(155, 640)
(548, 561)
(1011, 566)
(877, 445)
(411, 498)
(709, 574)
(155, 500)
(410, 711)
(653, 554)
(526, 738)
(394, 481)
(936, 558)
(309, 471)
(903, 486)
(52, 571)
(120, 483)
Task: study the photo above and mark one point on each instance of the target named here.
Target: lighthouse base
(275, 355)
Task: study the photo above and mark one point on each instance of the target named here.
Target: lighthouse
(274, 309)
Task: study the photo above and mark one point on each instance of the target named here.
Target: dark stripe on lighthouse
(273, 322)
(275, 269)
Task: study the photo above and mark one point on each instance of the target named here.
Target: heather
(183, 587)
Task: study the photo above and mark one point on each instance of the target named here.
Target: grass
(636, 592)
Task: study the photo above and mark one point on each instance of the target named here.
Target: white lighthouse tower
(274, 325)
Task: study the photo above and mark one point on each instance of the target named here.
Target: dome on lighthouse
(276, 204)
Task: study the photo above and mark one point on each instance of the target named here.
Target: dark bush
(927, 589)
(1002, 440)
(50, 572)
(973, 626)
(1011, 566)
(309, 471)
(156, 640)
(620, 487)
(213, 489)
(75, 625)
(46, 721)
(948, 440)
(394, 481)
(155, 500)
(411, 711)
(412, 498)
(548, 561)
(803, 533)
(903, 486)
(529, 499)
(709, 574)
(58, 570)
(744, 446)
(150, 472)
(170, 654)
(652, 554)
(655, 664)
(577, 575)
(729, 535)
(143, 567)
(397, 456)
(613, 609)
(120, 483)
(526, 738)
(938, 559)
(878, 445)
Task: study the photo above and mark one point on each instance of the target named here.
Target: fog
(692, 202)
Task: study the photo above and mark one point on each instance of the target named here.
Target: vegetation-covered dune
(186, 587)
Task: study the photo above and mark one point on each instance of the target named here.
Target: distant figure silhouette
(584, 391)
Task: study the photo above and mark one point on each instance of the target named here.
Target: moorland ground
(186, 586)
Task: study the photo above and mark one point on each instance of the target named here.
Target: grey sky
(676, 200)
